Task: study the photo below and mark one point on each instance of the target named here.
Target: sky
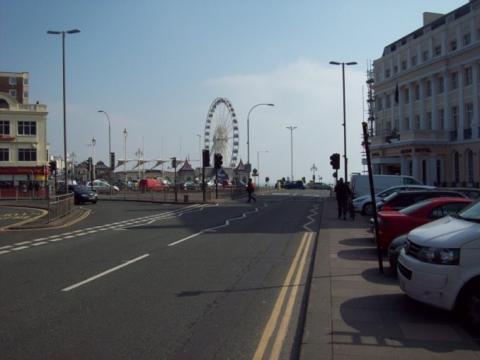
(155, 66)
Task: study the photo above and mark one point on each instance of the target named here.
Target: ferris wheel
(221, 131)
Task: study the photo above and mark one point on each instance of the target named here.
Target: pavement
(356, 312)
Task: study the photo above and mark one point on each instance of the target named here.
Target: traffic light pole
(203, 183)
(216, 183)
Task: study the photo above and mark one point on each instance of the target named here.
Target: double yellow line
(282, 313)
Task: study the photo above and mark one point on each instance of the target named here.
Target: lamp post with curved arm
(291, 128)
(109, 138)
(248, 127)
(344, 113)
(50, 32)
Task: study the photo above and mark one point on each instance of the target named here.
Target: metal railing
(60, 205)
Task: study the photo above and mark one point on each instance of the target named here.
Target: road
(155, 281)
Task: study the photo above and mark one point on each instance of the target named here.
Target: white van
(440, 264)
(360, 185)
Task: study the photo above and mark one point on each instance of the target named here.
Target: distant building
(426, 88)
(23, 134)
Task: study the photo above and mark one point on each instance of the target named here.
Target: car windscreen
(471, 212)
(82, 188)
(390, 197)
(412, 208)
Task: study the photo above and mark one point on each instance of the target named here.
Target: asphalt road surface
(155, 281)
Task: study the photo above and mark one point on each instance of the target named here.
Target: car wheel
(469, 307)
(367, 209)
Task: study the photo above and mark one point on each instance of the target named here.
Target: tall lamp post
(258, 163)
(125, 133)
(313, 169)
(109, 138)
(73, 31)
(248, 127)
(94, 142)
(291, 128)
(344, 114)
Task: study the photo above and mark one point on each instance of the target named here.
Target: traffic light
(206, 158)
(335, 161)
(52, 166)
(112, 160)
(174, 162)
(218, 161)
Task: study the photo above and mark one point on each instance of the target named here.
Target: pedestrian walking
(339, 196)
(250, 191)
(344, 195)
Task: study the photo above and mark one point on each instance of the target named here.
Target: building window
(413, 60)
(440, 85)
(437, 51)
(454, 80)
(12, 81)
(388, 102)
(417, 92)
(387, 73)
(467, 39)
(469, 156)
(441, 119)
(12, 92)
(453, 45)
(428, 87)
(4, 127)
(425, 55)
(429, 120)
(27, 154)
(468, 115)
(406, 93)
(468, 76)
(25, 94)
(27, 128)
(379, 104)
(25, 81)
(395, 69)
(454, 117)
(404, 65)
(406, 123)
(417, 122)
(4, 155)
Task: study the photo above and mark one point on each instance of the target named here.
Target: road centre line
(95, 277)
(275, 315)
(22, 243)
(4, 252)
(20, 248)
(40, 243)
(5, 247)
(227, 223)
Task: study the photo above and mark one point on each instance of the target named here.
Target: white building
(427, 101)
(23, 141)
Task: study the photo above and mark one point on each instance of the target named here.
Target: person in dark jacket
(343, 195)
(250, 191)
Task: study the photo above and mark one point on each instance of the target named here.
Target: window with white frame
(12, 92)
(437, 51)
(441, 119)
(454, 80)
(467, 39)
(417, 92)
(441, 85)
(425, 55)
(453, 45)
(12, 81)
(417, 122)
(4, 154)
(387, 73)
(406, 123)
(27, 154)
(403, 65)
(27, 128)
(468, 115)
(429, 120)
(454, 112)
(468, 76)
(413, 60)
(406, 95)
(428, 88)
(388, 101)
(4, 127)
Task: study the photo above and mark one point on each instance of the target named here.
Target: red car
(395, 223)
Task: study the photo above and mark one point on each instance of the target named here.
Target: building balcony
(391, 137)
(26, 107)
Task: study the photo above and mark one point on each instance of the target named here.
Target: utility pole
(291, 128)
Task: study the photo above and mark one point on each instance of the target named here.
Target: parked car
(440, 264)
(471, 193)
(364, 205)
(294, 185)
(359, 184)
(401, 199)
(151, 185)
(83, 194)
(101, 186)
(190, 185)
(395, 223)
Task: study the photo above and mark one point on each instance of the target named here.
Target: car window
(409, 181)
(446, 209)
(471, 212)
(412, 208)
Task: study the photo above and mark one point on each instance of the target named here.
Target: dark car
(83, 194)
(294, 185)
(402, 199)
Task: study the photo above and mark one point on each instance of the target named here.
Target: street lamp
(94, 142)
(344, 113)
(258, 163)
(291, 128)
(125, 133)
(313, 169)
(248, 128)
(74, 31)
(109, 138)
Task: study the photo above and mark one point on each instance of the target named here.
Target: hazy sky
(155, 67)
